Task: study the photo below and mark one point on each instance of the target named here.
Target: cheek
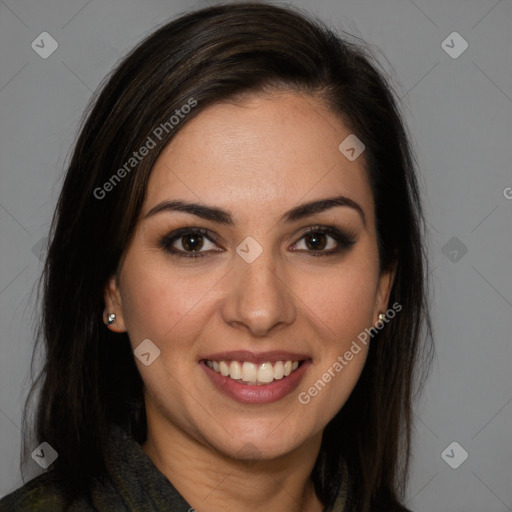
(158, 301)
(340, 306)
(343, 300)
(167, 307)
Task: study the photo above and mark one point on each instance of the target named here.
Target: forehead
(264, 153)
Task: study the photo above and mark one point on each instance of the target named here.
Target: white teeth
(265, 372)
(253, 374)
(235, 370)
(224, 368)
(249, 372)
(279, 370)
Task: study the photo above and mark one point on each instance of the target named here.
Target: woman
(234, 292)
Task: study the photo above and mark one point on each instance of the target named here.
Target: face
(262, 277)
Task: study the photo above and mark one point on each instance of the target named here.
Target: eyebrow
(222, 217)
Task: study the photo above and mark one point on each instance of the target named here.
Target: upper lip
(255, 357)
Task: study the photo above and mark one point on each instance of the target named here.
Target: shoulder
(41, 495)
(37, 494)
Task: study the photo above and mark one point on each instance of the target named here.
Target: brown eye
(189, 242)
(323, 241)
(192, 241)
(316, 241)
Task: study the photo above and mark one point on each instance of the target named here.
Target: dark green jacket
(133, 484)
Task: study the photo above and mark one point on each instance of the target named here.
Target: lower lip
(263, 394)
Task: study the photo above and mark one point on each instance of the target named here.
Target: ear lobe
(113, 304)
(386, 281)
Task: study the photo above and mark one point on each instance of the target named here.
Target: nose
(258, 298)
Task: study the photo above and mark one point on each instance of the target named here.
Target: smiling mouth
(252, 374)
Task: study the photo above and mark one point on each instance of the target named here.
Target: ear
(385, 284)
(113, 304)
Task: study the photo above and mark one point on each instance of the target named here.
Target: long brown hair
(89, 379)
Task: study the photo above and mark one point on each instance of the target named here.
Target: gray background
(459, 111)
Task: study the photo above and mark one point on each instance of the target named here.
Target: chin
(262, 444)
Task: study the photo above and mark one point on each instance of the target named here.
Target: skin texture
(255, 158)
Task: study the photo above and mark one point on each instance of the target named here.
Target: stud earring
(111, 318)
(382, 316)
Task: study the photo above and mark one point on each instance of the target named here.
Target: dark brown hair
(89, 379)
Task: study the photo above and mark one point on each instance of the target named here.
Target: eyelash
(344, 241)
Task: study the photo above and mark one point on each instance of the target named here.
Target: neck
(209, 480)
